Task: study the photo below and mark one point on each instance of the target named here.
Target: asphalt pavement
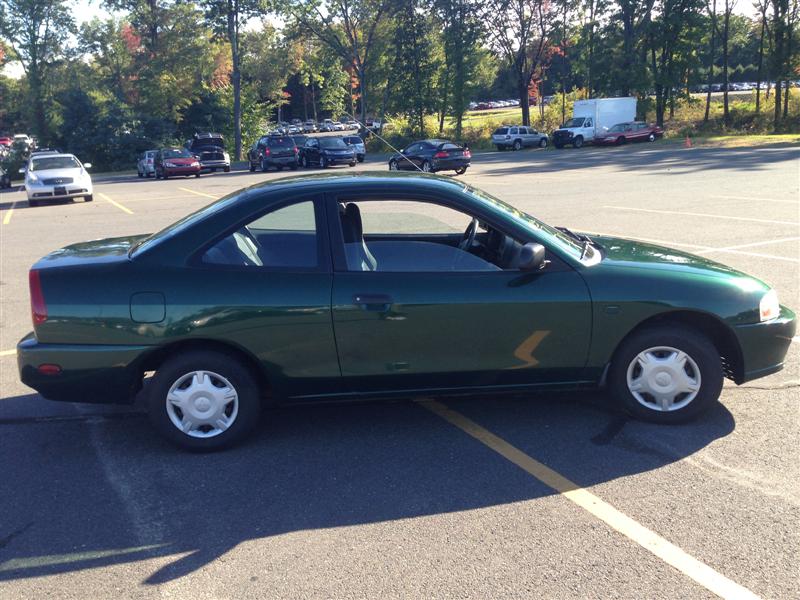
(548, 495)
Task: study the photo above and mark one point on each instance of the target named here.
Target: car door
(523, 136)
(312, 151)
(411, 157)
(414, 325)
(588, 129)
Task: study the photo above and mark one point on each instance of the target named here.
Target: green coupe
(336, 287)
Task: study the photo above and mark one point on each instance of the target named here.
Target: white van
(593, 116)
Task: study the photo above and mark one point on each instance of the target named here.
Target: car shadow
(95, 488)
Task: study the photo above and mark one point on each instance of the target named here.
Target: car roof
(53, 154)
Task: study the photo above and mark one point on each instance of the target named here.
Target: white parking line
(712, 580)
(754, 244)
(711, 216)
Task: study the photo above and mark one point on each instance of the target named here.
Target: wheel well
(715, 330)
(154, 360)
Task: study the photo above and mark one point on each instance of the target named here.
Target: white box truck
(590, 116)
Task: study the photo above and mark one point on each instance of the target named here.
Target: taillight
(266, 152)
(467, 154)
(296, 150)
(441, 154)
(149, 161)
(38, 307)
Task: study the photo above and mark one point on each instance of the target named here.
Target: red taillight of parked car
(467, 154)
(38, 307)
(296, 150)
(267, 152)
(441, 154)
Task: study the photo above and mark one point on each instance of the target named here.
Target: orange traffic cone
(688, 142)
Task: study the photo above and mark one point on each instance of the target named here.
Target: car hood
(181, 161)
(631, 253)
(52, 173)
(97, 251)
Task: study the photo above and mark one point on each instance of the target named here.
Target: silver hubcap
(663, 378)
(202, 404)
(393, 166)
(426, 167)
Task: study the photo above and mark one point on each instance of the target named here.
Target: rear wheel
(203, 400)
(393, 165)
(426, 167)
(461, 170)
(666, 374)
(323, 162)
(621, 140)
(651, 137)
(140, 174)
(264, 166)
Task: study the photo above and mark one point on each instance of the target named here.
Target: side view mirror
(87, 165)
(531, 257)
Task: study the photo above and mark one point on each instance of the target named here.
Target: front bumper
(764, 345)
(562, 137)
(340, 160)
(57, 192)
(181, 170)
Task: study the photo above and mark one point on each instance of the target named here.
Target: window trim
(324, 263)
(336, 236)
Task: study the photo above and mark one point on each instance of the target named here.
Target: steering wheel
(469, 235)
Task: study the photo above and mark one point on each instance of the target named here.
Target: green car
(335, 287)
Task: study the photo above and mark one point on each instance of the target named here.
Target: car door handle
(380, 302)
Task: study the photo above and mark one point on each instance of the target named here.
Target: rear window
(353, 140)
(332, 143)
(451, 146)
(280, 142)
(501, 131)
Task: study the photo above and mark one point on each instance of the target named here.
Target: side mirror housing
(531, 257)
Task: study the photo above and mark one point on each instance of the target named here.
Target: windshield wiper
(575, 236)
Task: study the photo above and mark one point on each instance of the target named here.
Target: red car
(176, 161)
(634, 131)
(6, 141)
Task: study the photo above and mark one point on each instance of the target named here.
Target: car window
(450, 146)
(281, 142)
(176, 153)
(412, 148)
(283, 238)
(501, 131)
(523, 131)
(588, 123)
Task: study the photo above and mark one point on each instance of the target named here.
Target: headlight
(769, 307)
(226, 156)
(195, 164)
(170, 164)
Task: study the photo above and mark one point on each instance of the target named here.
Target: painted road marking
(756, 199)
(8, 352)
(9, 212)
(704, 249)
(700, 572)
(199, 193)
(694, 214)
(117, 204)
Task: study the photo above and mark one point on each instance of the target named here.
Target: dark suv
(273, 151)
(209, 148)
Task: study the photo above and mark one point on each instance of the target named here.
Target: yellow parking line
(694, 214)
(9, 212)
(8, 352)
(710, 579)
(117, 204)
(199, 193)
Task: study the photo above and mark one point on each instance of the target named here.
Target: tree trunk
(590, 61)
(711, 59)
(236, 76)
(362, 86)
(443, 109)
(760, 63)
(314, 100)
(725, 36)
(524, 104)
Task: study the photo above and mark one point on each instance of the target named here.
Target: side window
(283, 238)
(523, 131)
(514, 131)
(588, 123)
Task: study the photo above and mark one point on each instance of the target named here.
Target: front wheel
(88, 198)
(140, 174)
(227, 169)
(323, 162)
(203, 400)
(577, 142)
(517, 145)
(461, 170)
(393, 165)
(360, 159)
(651, 137)
(666, 374)
(543, 143)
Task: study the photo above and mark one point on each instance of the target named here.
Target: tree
(37, 32)
(227, 18)
(521, 31)
(348, 27)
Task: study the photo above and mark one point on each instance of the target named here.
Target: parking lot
(553, 495)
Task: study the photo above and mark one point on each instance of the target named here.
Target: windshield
(55, 162)
(177, 153)
(618, 128)
(501, 131)
(354, 140)
(559, 238)
(332, 143)
(577, 122)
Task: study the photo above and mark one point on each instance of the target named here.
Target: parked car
(276, 151)
(326, 152)
(309, 301)
(338, 126)
(170, 162)
(145, 167)
(326, 125)
(6, 141)
(5, 179)
(358, 145)
(209, 148)
(431, 156)
(517, 137)
(634, 131)
(352, 125)
(25, 140)
(309, 127)
(299, 140)
(56, 177)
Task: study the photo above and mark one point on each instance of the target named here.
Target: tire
(140, 174)
(164, 175)
(577, 142)
(264, 166)
(323, 162)
(279, 168)
(543, 143)
(621, 140)
(88, 198)
(239, 415)
(651, 137)
(393, 165)
(426, 167)
(352, 164)
(360, 159)
(252, 168)
(461, 170)
(517, 145)
(702, 367)
(227, 169)
(558, 146)
(197, 175)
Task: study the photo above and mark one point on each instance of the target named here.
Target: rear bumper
(450, 164)
(764, 345)
(89, 373)
(282, 161)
